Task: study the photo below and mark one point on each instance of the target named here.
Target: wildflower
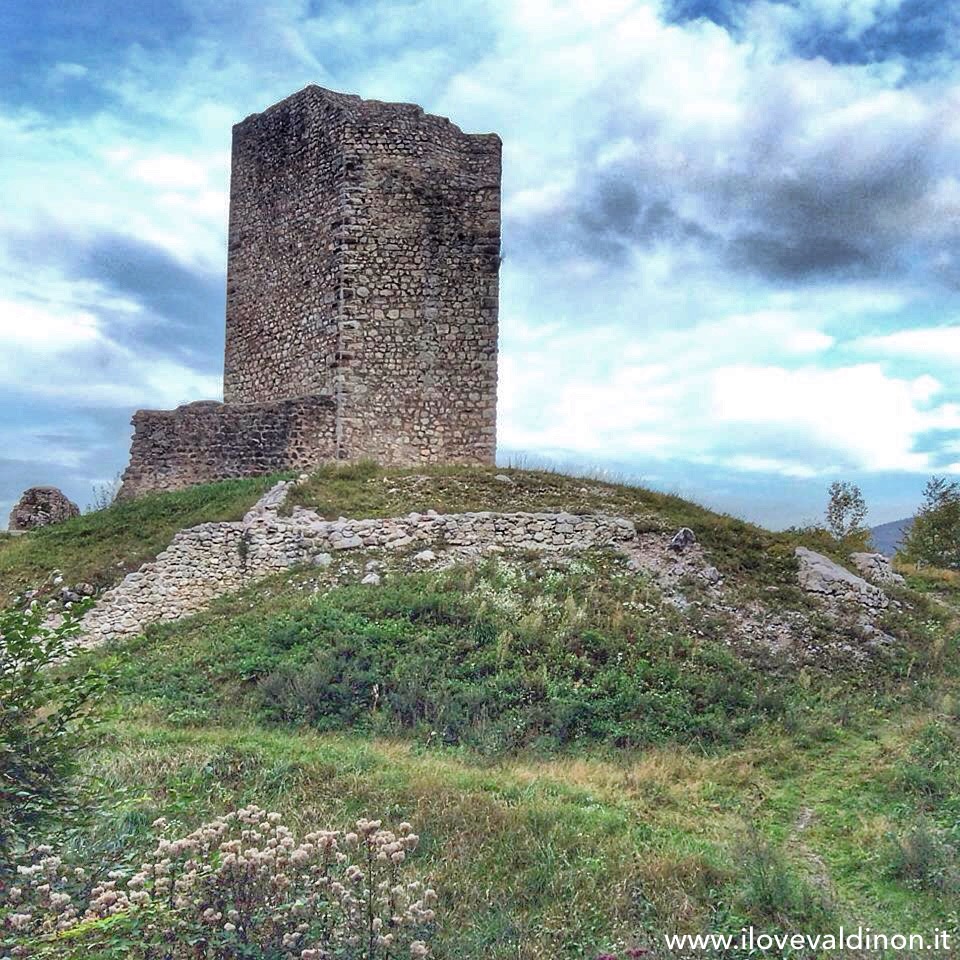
(247, 857)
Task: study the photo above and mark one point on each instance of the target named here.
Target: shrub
(923, 857)
(241, 886)
(474, 667)
(930, 773)
(105, 493)
(45, 717)
(773, 891)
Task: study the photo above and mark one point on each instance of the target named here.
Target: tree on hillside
(934, 537)
(846, 511)
(45, 719)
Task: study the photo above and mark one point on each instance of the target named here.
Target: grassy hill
(590, 763)
(101, 547)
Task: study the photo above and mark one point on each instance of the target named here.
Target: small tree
(934, 536)
(44, 717)
(846, 511)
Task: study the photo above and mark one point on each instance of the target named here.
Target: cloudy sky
(731, 228)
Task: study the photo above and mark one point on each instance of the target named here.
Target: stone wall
(207, 441)
(206, 561)
(362, 291)
(285, 249)
(417, 373)
(363, 260)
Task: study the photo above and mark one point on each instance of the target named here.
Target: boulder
(875, 567)
(819, 575)
(682, 539)
(711, 574)
(41, 506)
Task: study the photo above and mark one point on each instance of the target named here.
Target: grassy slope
(101, 547)
(593, 770)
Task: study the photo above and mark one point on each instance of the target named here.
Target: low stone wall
(206, 561)
(207, 441)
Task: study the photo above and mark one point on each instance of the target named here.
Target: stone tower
(364, 253)
(362, 291)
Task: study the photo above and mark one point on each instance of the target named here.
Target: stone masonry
(212, 559)
(205, 441)
(363, 266)
(41, 506)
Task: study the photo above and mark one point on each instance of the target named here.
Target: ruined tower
(362, 295)
(363, 262)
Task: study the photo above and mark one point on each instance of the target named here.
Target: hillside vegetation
(101, 547)
(589, 762)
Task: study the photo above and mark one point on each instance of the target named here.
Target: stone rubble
(669, 560)
(41, 506)
(212, 559)
(819, 575)
(876, 568)
(682, 540)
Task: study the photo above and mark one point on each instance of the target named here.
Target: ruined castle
(362, 294)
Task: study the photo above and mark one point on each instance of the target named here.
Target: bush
(930, 773)
(923, 857)
(241, 886)
(45, 717)
(773, 891)
(468, 667)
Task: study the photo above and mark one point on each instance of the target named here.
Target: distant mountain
(887, 537)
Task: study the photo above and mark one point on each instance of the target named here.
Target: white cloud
(686, 396)
(171, 171)
(858, 412)
(44, 330)
(935, 345)
(654, 351)
(67, 71)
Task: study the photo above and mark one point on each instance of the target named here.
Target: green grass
(565, 857)
(672, 804)
(942, 585)
(101, 547)
(588, 768)
(536, 653)
(505, 656)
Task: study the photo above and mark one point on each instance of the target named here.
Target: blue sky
(731, 229)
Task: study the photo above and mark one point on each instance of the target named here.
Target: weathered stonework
(212, 559)
(41, 506)
(364, 258)
(362, 281)
(206, 441)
